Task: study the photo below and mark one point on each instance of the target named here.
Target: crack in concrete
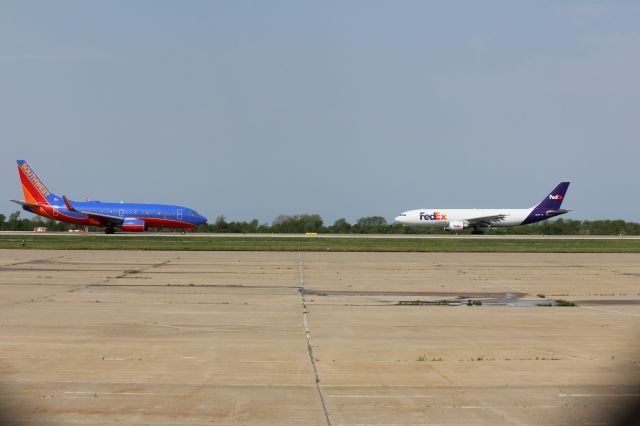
(310, 351)
(84, 286)
(31, 262)
(124, 274)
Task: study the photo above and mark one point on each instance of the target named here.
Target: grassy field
(269, 243)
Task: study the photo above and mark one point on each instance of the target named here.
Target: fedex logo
(556, 197)
(433, 216)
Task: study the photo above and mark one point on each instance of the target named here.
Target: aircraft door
(121, 212)
(179, 214)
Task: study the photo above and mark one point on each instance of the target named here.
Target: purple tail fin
(553, 201)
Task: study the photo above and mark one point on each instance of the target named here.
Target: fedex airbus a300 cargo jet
(457, 219)
(128, 217)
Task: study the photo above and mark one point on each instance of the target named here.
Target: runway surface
(110, 337)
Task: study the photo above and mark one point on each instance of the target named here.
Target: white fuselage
(440, 218)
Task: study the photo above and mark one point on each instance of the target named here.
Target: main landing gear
(477, 231)
(109, 230)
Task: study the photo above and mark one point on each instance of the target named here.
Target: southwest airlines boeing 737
(128, 217)
(458, 219)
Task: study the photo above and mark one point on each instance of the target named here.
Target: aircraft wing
(105, 218)
(486, 220)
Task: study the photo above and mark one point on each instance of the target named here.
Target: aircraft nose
(400, 219)
(202, 220)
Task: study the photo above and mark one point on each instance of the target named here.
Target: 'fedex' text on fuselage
(433, 216)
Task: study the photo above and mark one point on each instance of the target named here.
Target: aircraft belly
(434, 224)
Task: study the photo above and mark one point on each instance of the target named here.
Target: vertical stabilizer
(35, 191)
(553, 201)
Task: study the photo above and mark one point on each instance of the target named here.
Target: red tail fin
(35, 191)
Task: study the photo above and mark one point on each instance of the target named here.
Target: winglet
(68, 204)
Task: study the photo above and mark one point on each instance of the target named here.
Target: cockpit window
(193, 213)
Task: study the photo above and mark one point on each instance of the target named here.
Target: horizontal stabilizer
(558, 212)
(24, 203)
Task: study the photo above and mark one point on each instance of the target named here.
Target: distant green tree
(13, 224)
(371, 221)
(301, 223)
(398, 228)
(371, 225)
(298, 223)
(574, 227)
(341, 226)
(221, 224)
(252, 227)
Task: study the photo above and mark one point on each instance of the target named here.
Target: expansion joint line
(26, 262)
(310, 351)
(124, 274)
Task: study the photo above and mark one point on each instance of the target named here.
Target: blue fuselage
(153, 215)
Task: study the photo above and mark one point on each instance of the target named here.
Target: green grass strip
(346, 244)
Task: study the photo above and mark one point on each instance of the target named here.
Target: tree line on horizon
(303, 223)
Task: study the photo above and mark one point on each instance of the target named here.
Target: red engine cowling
(133, 225)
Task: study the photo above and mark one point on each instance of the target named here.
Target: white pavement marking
(629, 314)
(382, 396)
(597, 395)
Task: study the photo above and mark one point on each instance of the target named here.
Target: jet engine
(133, 225)
(455, 225)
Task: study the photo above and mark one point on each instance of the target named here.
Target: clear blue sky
(253, 109)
